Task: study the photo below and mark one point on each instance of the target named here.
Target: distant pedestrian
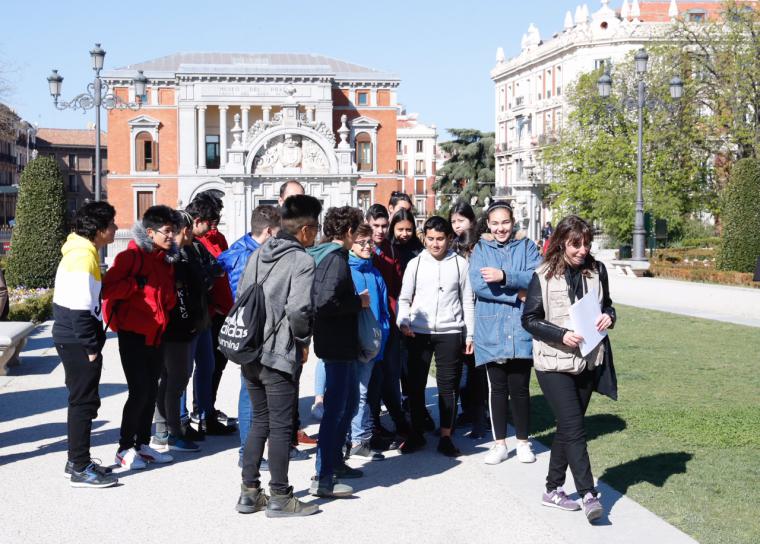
(138, 294)
(501, 268)
(399, 201)
(436, 314)
(79, 336)
(568, 273)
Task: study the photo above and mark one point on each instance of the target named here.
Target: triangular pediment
(365, 122)
(144, 121)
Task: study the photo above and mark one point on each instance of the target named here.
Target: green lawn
(684, 438)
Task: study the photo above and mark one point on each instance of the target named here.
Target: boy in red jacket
(138, 294)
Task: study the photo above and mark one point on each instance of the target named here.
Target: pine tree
(40, 226)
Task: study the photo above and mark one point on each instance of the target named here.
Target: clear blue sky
(442, 50)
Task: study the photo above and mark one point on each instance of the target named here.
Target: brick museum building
(242, 124)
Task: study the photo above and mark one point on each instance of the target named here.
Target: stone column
(201, 136)
(223, 135)
(310, 113)
(245, 126)
(266, 111)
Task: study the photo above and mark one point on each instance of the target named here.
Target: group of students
(472, 295)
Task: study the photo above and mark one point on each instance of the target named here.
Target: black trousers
(272, 393)
(142, 366)
(474, 394)
(510, 380)
(82, 379)
(296, 416)
(447, 349)
(568, 396)
(386, 376)
(175, 374)
(220, 361)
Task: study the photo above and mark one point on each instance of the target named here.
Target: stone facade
(243, 124)
(530, 105)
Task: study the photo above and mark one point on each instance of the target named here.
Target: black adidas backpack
(241, 339)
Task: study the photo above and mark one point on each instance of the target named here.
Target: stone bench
(629, 268)
(12, 340)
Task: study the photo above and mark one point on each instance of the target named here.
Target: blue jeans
(245, 413)
(319, 379)
(203, 349)
(361, 424)
(341, 399)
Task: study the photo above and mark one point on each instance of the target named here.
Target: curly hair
(338, 221)
(571, 230)
(92, 217)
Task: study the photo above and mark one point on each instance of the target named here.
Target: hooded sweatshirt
(366, 276)
(436, 297)
(337, 306)
(287, 291)
(128, 306)
(76, 299)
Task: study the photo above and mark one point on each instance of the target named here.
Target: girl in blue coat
(501, 268)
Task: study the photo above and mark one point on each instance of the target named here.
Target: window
(364, 199)
(212, 151)
(419, 186)
(147, 153)
(144, 201)
(364, 152)
(696, 16)
(559, 90)
(362, 98)
(602, 63)
(73, 185)
(399, 166)
(73, 162)
(419, 166)
(420, 205)
(398, 147)
(85, 163)
(420, 148)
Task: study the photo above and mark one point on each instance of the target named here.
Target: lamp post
(604, 87)
(98, 95)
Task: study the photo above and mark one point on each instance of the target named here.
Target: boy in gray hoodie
(272, 381)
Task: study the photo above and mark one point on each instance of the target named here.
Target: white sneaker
(130, 459)
(525, 452)
(317, 410)
(149, 455)
(496, 454)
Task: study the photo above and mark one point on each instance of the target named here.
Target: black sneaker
(363, 450)
(93, 475)
(447, 447)
(429, 423)
(68, 470)
(285, 505)
(413, 443)
(346, 472)
(224, 419)
(189, 432)
(212, 427)
(252, 499)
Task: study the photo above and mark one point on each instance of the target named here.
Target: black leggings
(178, 361)
(448, 366)
(568, 396)
(509, 380)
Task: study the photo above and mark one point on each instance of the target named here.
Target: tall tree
(469, 171)
(40, 225)
(593, 164)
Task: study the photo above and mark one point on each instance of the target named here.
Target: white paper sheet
(584, 314)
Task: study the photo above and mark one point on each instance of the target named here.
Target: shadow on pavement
(18, 404)
(98, 438)
(31, 365)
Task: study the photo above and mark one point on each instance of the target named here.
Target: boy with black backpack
(286, 274)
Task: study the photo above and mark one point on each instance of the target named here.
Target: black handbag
(605, 377)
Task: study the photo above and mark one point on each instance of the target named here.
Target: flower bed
(695, 264)
(30, 304)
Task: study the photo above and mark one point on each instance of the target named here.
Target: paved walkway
(739, 305)
(419, 498)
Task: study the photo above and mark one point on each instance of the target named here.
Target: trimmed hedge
(740, 247)
(712, 241)
(702, 275)
(40, 226)
(37, 309)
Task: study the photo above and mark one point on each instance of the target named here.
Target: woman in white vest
(568, 273)
(436, 312)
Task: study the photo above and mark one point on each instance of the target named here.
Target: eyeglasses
(365, 243)
(167, 235)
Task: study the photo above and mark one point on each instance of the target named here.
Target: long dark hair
(403, 215)
(464, 242)
(570, 230)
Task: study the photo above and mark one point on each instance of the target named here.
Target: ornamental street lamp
(604, 87)
(98, 94)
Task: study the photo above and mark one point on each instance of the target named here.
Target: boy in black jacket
(336, 342)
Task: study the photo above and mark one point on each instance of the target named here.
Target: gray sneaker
(331, 488)
(298, 455)
(362, 449)
(593, 508)
(558, 499)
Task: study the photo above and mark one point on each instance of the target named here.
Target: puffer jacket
(140, 309)
(499, 334)
(234, 259)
